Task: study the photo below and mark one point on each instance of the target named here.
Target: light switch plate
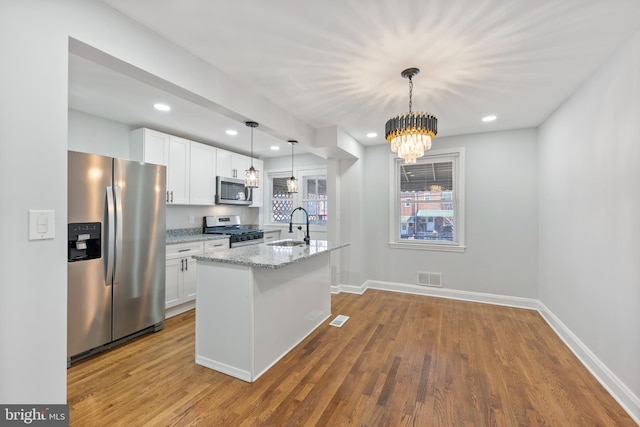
(42, 224)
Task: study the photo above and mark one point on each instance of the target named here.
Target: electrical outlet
(192, 219)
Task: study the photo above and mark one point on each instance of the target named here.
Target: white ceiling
(338, 62)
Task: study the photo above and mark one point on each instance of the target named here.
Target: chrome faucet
(307, 239)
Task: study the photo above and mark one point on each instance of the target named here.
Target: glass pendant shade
(292, 183)
(252, 178)
(410, 134)
(252, 175)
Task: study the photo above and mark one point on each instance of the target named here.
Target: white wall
(33, 175)
(300, 161)
(589, 179)
(501, 219)
(95, 135)
(179, 216)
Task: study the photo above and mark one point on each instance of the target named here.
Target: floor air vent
(339, 321)
(430, 279)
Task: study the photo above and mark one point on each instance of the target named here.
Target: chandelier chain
(410, 94)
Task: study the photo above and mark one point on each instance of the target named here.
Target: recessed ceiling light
(372, 135)
(161, 107)
(231, 132)
(489, 118)
(275, 147)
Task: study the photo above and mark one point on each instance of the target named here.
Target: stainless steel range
(239, 236)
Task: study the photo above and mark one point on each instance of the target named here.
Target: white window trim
(297, 198)
(394, 207)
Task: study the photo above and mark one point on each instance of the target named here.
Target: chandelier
(292, 183)
(252, 176)
(410, 134)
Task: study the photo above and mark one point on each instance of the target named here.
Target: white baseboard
(494, 299)
(349, 289)
(179, 309)
(616, 388)
(224, 368)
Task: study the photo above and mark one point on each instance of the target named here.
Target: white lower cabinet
(271, 235)
(180, 284)
(216, 245)
(181, 273)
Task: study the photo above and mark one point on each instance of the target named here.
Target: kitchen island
(255, 303)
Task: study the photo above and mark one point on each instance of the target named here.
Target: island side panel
(224, 317)
(289, 303)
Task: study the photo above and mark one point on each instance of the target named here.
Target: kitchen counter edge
(267, 256)
(174, 240)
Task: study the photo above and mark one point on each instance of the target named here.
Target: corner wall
(589, 210)
(501, 219)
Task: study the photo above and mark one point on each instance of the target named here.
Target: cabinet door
(223, 163)
(178, 170)
(239, 164)
(173, 282)
(202, 184)
(150, 146)
(189, 279)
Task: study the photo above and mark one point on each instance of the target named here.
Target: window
(281, 201)
(427, 209)
(312, 196)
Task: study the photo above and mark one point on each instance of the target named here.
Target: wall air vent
(429, 279)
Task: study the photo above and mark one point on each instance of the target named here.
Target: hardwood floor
(400, 360)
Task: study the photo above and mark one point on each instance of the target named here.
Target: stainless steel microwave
(232, 191)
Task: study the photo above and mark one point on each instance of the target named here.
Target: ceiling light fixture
(232, 132)
(410, 134)
(162, 107)
(372, 135)
(489, 118)
(292, 183)
(252, 176)
(275, 147)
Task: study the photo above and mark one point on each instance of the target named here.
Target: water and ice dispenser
(84, 241)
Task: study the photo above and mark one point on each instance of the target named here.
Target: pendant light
(410, 134)
(252, 176)
(292, 183)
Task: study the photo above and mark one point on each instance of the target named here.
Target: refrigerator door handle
(119, 236)
(111, 223)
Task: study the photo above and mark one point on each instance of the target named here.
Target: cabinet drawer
(216, 245)
(271, 235)
(184, 249)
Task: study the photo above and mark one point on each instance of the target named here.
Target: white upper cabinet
(178, 170)
(150, 146)
(192, 167)
(203, 174)
(232, 165)
(155, 147)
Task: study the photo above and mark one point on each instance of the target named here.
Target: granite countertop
(267, 255)
(189, 238)
(189, 235)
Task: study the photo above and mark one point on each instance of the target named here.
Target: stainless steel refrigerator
(116, 251)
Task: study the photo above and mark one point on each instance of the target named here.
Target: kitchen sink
(287, 243)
